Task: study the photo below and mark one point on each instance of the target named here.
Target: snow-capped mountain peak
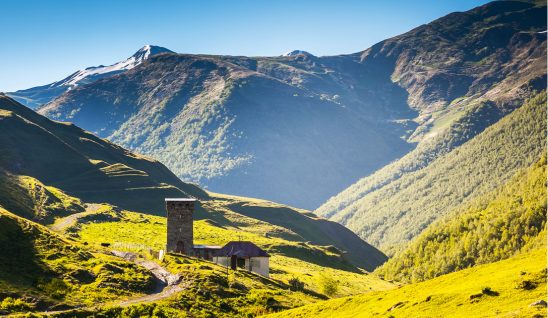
(297, 52)
(93, 73)
(148, 50)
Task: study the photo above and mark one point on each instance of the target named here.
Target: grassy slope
(33, 200)
(305, 226)
(40, 270)
(212, 292)
(81, 164)
(400, 210)
(291, 255)
(493, 227)
(453, 295)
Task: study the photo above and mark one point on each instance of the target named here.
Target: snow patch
(139, 57)
(297, 52)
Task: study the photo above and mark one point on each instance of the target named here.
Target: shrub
(328, 284)
(489, 291)
(295, 284)
(526, 285)
(10, 304)
(55, 288)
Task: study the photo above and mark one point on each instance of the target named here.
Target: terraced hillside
(81, 164)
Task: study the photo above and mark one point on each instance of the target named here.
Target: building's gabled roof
(210, 247)
(241, 249)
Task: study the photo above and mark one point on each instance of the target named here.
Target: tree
(328, 284)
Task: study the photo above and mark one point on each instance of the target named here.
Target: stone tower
(179, 225)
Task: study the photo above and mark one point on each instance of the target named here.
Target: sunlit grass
(492, 290)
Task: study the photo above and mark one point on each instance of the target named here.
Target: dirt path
(62, 224)
(167, 282)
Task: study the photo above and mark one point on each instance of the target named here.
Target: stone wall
(179, 225)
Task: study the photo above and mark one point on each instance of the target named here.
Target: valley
(407, 179)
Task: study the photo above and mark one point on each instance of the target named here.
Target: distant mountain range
(298, 128)
(259, 127)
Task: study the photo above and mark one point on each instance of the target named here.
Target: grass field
(40, 270)
(501, 289)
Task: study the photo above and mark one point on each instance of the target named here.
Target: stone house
(244, 255)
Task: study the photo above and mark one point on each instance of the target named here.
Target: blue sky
(44, 41)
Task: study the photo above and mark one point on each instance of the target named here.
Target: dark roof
(206, 247)
(241, 249)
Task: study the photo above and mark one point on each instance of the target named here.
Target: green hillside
(293, 255)
(40, 270)
(33, 200)
(43, 272)
(495, 226)
(502, 289)
(81, 164)
(402, 209)
(473, 120)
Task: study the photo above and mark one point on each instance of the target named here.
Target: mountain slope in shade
(37, 96)
(87, 167)
(232, 129)
(299, 128)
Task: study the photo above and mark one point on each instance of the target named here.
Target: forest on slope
(494, 226)
(399, 211)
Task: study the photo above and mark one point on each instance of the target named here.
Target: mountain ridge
(220, 120)
(37, 96)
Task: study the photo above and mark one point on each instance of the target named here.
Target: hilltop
(36, 96)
